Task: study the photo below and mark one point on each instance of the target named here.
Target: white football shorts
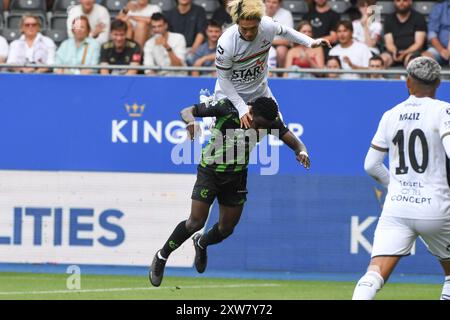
(395, 236)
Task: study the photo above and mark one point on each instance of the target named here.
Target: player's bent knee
(226, 231)
(194, 225)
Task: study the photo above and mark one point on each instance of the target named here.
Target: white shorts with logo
(395, 236)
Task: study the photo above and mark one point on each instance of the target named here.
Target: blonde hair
(29, 15)
(246, 10)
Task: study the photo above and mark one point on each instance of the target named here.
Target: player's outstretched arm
(293, 35)
(299, 148)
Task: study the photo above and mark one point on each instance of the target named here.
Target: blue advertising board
(321, 220)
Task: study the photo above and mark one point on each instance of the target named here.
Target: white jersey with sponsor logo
(248, 60)
(412, 132)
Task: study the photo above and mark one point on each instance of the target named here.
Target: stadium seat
(61, 6)
(387, 7)
(28, 6)
(423, 7)
(10, 34)
(296, 7)
(165, 5)
(114, 6)
(57, 35)
(209, 5)
(58, 22)
(13, 20)
(340, 6)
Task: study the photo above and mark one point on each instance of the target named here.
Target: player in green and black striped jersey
(222, 174)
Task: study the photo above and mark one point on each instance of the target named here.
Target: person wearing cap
(416, 134)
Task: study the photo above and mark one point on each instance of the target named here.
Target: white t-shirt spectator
(99, 14)
(41, 52)
(284, 17)
(146, 12)
(3, 48)
(375, 29)
(157, 56)
(358, 53)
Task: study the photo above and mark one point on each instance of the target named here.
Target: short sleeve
(224, 56)
(278, 129)
(379, 141)
(444, 121)
(388, 25)
(421, 24)
(218, 109)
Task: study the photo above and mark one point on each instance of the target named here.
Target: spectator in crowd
(190, 20)
(376, 63)
(221, 15)
(98, 16)
(206, 53)
(283, 16)
(120, 50)
(164, 48)
(439, 33)
(3, 50)
(366, 30)
(137, 14)
(333, 62)
(353, 54)
(404, 34)
(32, 47)
(323, 20)
(79, 50)
(303, 57)
(5, 5)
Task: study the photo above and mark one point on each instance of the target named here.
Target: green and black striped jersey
(229, 147)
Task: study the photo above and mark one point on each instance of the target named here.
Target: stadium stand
(28, 6)
(423, 7)
(340, 6)
(114, 6)
(61, 6)
(57, 35)
(387, 7)
(10, 34)
(209, 5)
(165, 5)
(297, 8)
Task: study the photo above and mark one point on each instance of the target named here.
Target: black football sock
(176, 239)
(213, 236)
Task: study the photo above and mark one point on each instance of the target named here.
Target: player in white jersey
(416, 134)
(242, 54)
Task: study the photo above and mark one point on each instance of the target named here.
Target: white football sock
(367, 286)
(446, 289)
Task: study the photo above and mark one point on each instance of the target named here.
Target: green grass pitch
(53, 286)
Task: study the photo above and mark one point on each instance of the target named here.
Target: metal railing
(391, 72)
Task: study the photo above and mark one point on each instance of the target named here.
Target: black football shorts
(229, 188)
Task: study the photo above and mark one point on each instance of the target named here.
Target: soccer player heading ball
(416, 134)
(242, 54)
(222, 174)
